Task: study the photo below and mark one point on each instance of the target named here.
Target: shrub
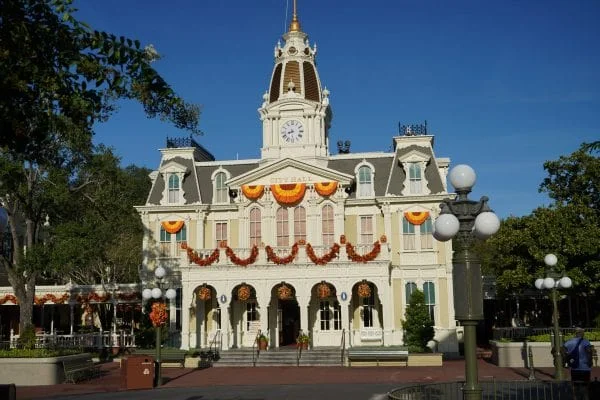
(36, 353)
(27, 338)
(418, 326)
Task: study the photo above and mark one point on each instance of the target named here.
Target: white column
(303, 304)
(186, 300)
(387, 308)
(345, 305)
(71, 317)
(200, 231)
(201, 323)
(225, 325)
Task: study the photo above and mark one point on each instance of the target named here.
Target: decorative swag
(172, 226)
(253, 192)
(416, 217)
(326, 188)
(288, 193)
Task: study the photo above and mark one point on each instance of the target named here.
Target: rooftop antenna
(295, 25)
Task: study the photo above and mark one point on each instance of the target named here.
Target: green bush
(37, 353)
(27, 338)
(418, 326)
(591, 336)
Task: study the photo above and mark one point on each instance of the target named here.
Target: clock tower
(295, 111)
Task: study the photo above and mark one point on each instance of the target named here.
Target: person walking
(577, 355)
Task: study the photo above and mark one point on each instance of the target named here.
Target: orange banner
(172, 226)
(288, 194)
(326, 188)
(253, 192)
(416, 217)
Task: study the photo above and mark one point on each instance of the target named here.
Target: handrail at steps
(343, 346)
(298, 349)
(254, 344)
(214, 342)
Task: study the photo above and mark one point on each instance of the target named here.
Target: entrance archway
(289, 322)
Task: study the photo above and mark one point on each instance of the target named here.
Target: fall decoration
(364, 290)
(204, 293)
(183, 245)
(123, 308)
(325, 258)
(323, 290)
(284, 292)
(239, 261)
(194, 257)
(9, 297)
(223, 244)
(416, 217)
(370, 256)
(158, 315)
(325, 188)
(253, 192)
(40, 300)
(383, 239)
(289, 193)
(172, 226)
(243, 292)
(343, 239)
(271, 256)
(129, 296)
(92, 297)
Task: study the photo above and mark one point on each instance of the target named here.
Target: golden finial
(295, 24)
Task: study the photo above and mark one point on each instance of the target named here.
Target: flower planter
(44, 371)
(424, 360)
(515, 354)
(304, 346)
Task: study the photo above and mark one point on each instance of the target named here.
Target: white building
(300, 239)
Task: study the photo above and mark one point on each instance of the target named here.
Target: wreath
(204, 293)
(323, 290)
(325, 258)
(239, 261)
(284, 292)
(194, 257)
(158, 315)
(243, 292)
(271, 256)
(364, 290)
(370, 256)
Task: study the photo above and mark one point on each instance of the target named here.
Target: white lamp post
(554, 282)
(156, 293)
(466, 220)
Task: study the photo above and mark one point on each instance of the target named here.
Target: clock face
(292, 131)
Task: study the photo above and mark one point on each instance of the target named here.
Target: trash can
(137, 372)
(8, 392)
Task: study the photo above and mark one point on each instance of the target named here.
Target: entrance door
(290, 322)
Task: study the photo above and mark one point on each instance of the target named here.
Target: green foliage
(303, 338)
(27, 338)
(591, 336)
(37, 353)
(418, 326)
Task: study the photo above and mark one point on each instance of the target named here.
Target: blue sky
(503, 85)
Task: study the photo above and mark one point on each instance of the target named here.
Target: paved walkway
(452, 370)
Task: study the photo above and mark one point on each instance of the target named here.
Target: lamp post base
(158, 366)
(471, 390)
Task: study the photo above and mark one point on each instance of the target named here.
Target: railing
(343, 347)
(96, 340)
(492, 390)
(298, 348)
(216, 341)
(521, 332)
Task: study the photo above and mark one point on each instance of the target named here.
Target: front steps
(321, 357)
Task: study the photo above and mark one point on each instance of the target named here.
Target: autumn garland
(325, 258)
(40, 300)
(9, 297)
(245, 261)
(370, 256)
(129, 296)
(92, 297)
(158, 315)
(271, 256)
(203, 261)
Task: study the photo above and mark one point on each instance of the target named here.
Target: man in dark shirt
(582, 369)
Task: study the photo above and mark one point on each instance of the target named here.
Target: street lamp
(466, 220)
(553, 282)
(157, 293)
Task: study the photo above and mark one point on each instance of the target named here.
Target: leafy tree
(418, 326)
(59, 77)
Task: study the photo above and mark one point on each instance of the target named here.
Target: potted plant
(303, 340)
(263, 342)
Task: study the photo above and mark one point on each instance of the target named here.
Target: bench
(377, 354)
(80, 368)
(166, 355)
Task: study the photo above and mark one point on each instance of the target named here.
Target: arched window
(255, 229)
(415, 178)
(429, 292)
(283, 233)
(299, 223)
(221, 195)
(409, 288)
(368, 304)
(365, 181)
(173, 188)
(427, 234)
(327, 225)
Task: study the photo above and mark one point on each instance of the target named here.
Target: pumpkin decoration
(343, 239)
(288, 193)
(323, 290)
(243, 292)
(172, 226)
(325, 188)
(416, 217)
(204, 293)
(364, 290)
(284, 292)
(253, 192)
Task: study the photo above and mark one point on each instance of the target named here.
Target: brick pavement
(452, 370)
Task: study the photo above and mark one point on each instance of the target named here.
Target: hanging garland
(243, 292)
(288, 193)
(284, 292)
(204, 293)
(326, 188)
(271, 256)
(325, 258)
(129, 296)
(370, 256)
(158, 315)
(200, 260)
(172, 226)
(364, 290)
(243, 262)
(40, 300)
(92, 297)
(253, 192)
(416, 217)
(9, 297)
(123, 308)
(323, 290)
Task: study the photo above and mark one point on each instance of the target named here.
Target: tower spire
(295, 24)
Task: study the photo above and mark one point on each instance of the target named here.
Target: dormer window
(414, 164)
(221, 195)
(415, 178)
(365, 181)
(174, 188)
(173, 174)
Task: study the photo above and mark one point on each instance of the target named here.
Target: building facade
(300, 240)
